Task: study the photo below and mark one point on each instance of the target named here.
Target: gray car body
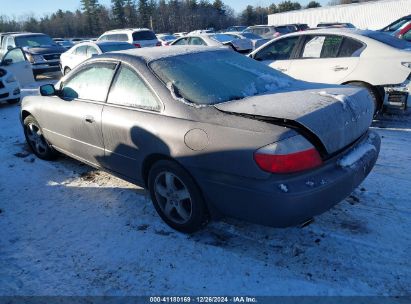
(213, 143)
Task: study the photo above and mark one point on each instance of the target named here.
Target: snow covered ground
(67, 229)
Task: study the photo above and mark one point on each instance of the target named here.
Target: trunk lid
(336, 115)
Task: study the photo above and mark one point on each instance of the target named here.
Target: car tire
(13, 101)
(36, 141)
(67, 70)
(375, 95)
(176, 197)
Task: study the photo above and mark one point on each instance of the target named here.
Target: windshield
(33, 41)
(396, 26)
(168, 37)
(389, 40)
(201, 78)
(115, 47)
(250, 35)
(222, 37)
(282, 29)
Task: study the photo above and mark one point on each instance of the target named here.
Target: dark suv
(41, 51)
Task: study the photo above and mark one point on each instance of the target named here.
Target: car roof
(28, 34)
(128, 30)
(150, 54)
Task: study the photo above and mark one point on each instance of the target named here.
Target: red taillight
(158, 43)
(288, 156)
(137, 45)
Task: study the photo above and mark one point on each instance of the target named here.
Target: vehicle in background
(67, 44)
(85, 50)
(15, 71)
(41, 51)
(396, 25)
(2, 36)
(179, 123)
(180, 34)
(335, 24)
(238, 45)
(268, 31)
(199, 32)
(256, 40)
(372, 60)
(139, 37)
(166, 39)
(236, 28)
(298, 27)
(404, 32)
(77, 40)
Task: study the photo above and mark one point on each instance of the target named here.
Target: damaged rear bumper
(290, 200)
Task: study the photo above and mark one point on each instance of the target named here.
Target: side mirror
(7, 62)
(9, 47)
(47, 90)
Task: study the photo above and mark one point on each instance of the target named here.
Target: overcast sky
(23, 7)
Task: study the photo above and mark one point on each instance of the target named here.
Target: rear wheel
(375, 95)
(35, 139)
(176, 197)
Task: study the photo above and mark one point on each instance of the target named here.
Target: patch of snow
(310, 183)
(340, 97)
(171, 88)
(355, 155)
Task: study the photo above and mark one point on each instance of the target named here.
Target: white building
(366, 15)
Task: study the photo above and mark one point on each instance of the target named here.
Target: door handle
(89, 119)
(339, 68)
(282, 70)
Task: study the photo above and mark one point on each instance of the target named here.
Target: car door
(72, 120)
(326, 58)
(279, 53)
(15, 61)
(129, 115)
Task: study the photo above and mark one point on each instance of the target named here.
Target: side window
(182, 41)
(15, 55)
(103, 38)
(278, 50)
(350, 48)
(81, 50)
(130, 90)
(91, 50)
(196, 41)
(10, 42)
(121, 37)
(322, 46)
(90, 83)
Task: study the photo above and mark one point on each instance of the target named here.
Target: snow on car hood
(337, 115)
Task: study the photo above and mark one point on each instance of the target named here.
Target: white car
(139, 37)
(256, 40)
(239, 45)
(373, 60)
(15, 70)
(85, 50)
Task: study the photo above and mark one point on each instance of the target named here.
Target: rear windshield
(115, 47)
(144, 35)
(389, 40)
(222, 37)
(201, 78)
(282, 29)
(34, 41)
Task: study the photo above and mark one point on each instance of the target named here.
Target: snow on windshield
(218, 76)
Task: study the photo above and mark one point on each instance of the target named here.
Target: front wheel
(35, 139)
(176, 197)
